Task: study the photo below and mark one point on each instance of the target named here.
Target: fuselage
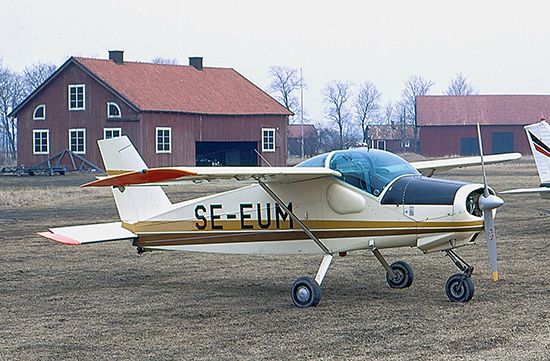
(379, 199)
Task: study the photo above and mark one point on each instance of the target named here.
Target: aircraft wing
(429, 167)
(194, 174)
(527, 190)
(91, 233)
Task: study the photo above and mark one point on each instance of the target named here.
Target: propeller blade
(491, 241)
(487, 203)
(485, 187)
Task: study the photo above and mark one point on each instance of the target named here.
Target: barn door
(503, 142)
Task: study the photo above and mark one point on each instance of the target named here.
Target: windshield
(370, 170)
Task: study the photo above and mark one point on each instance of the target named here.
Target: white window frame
(381, 144)
(78, 130)
(106, 130)
(268, 139)
(76, 87)
(157, 143)
(41, 131)
(43, 117)
(109, 115)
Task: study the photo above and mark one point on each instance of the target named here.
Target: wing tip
(59, 238)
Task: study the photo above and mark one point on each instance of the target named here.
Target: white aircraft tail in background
(538, 135)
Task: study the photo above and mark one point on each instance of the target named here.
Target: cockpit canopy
(368, 169)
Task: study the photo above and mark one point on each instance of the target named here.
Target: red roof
(391, 132)
(434, 110)
(183, 89)
(295, 131)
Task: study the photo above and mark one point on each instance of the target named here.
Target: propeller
(488, 202)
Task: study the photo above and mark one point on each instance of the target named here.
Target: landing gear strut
(460, 287)
(399, 274)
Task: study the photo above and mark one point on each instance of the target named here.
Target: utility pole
(302, 111)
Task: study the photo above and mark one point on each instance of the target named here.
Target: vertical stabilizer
(538, 135)
(135, 203)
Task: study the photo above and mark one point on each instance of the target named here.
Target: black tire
(459, 288)
(404, 275)
(306, 292)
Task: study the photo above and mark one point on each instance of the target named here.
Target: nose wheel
(460, 287)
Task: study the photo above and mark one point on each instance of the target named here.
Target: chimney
(117, 56)
(196, 61)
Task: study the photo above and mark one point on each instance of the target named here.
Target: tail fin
(538, 135)
(136, 203)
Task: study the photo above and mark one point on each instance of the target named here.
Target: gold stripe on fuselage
(181, 233)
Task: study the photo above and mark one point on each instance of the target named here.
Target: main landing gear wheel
(306, 292)
(459, 288)
(403, 275)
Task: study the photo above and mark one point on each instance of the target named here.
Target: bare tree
(36, 74)
(285, 82)
(161, 60)
(367, 107)
(414, 86)
(12, 92)
(459, 86)
(389, 111)
(337, 94)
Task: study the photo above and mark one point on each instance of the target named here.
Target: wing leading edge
(193, 174)
(429, 167)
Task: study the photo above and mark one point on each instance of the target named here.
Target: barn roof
(153, 87)
(295, 131)
(438, 110)
(391, 132)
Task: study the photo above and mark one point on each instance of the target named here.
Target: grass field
(106, 302)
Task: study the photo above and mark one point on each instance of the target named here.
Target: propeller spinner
(488, 202)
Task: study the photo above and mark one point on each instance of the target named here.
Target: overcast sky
(501, 47)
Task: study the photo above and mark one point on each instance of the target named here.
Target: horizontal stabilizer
(91, 233)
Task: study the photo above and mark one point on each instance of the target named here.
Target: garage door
(226, 153)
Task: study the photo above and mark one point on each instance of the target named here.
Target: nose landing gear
(460, 287)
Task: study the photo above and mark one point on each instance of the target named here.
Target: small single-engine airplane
(538, 135)
(333, 203)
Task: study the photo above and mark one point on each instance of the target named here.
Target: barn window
(164, 140)
(113, 110)
(77, 140)
(109, 133)
(41, 141)
(268, 140)
(39, 112)
(77, 96)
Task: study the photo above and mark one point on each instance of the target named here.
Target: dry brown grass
(105, 302)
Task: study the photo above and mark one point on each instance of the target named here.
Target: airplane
(538, 135)
(334, 203)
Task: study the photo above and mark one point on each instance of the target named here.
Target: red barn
(296, 134)
(174, 115)
(448, 123)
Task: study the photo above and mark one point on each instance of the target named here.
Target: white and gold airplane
(331, 204)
